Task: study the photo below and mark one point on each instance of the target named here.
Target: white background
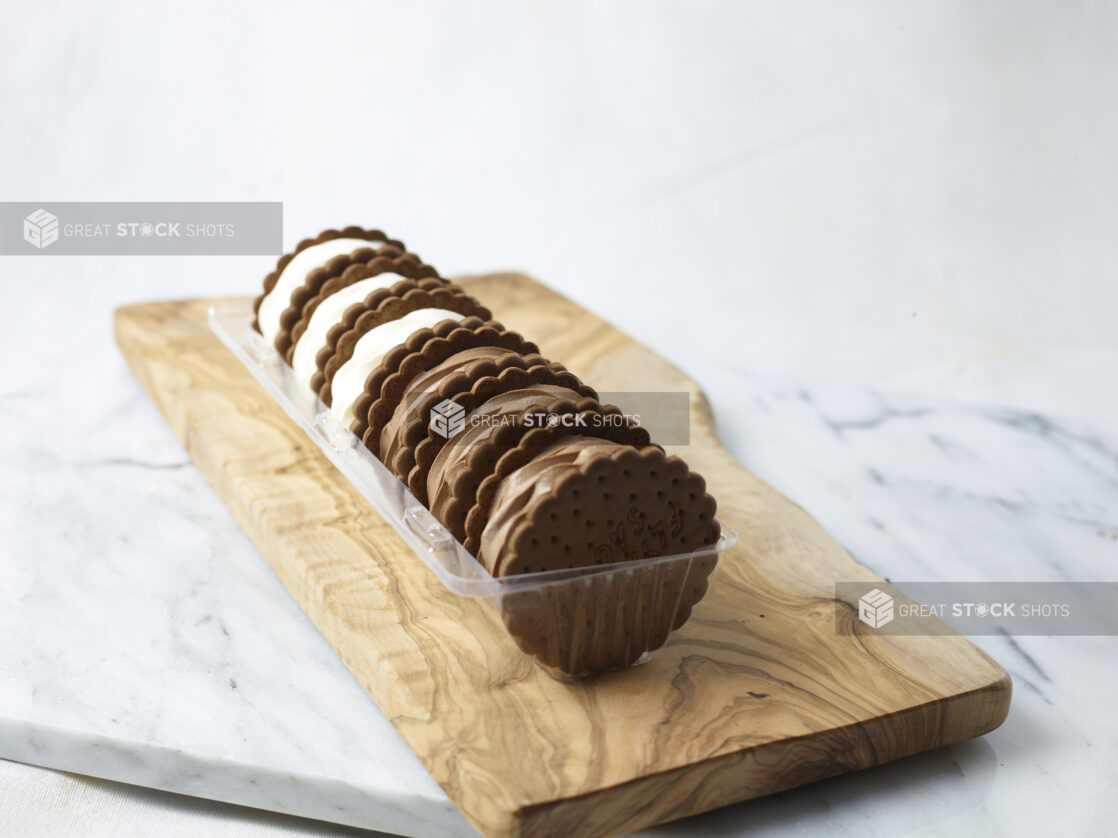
(918, 197)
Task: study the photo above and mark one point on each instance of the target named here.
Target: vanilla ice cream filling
(277, 300)
(329, 312)
(349, 380)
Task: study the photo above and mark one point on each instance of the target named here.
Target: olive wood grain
(757, 693)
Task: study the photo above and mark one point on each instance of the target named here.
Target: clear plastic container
(574, 621)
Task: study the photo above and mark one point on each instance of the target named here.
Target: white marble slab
(145, 640)
(920, 489)
(915, 195)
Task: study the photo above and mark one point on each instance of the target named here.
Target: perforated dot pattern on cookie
(626, 505)
(478, 459)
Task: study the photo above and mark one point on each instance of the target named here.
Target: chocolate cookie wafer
(354, 270)
(408, 443)
(497, 427)
(409, 421)
(582, 502)
(607, 620)
(391, 362)
(385, 385)
(381, 308)
(611, 427)
(337, 312)
(489, 386)
(292, 268)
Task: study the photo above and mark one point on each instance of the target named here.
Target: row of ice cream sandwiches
(383, 340)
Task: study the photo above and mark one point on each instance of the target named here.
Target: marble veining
(145, 639)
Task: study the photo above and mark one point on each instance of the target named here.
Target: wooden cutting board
(757, 693)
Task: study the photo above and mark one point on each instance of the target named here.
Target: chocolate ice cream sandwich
(309, 255)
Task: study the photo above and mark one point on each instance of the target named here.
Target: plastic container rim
(436, 547)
